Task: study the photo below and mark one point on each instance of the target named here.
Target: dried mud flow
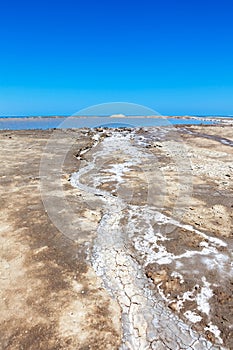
(117, 239)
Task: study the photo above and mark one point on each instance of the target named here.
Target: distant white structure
(117, 116)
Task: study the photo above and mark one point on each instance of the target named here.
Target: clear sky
(61, 56)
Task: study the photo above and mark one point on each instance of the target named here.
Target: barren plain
(117, 238)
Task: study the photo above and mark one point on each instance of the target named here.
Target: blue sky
(61, 56)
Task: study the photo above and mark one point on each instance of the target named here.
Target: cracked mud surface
(144, 260)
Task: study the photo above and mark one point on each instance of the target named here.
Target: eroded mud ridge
(157, 249)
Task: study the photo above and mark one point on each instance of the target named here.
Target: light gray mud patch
(128, 241)
(223, 140)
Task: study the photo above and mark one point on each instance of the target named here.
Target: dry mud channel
(121, 240)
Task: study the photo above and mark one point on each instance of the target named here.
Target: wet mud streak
(222, 140)
(147, 323)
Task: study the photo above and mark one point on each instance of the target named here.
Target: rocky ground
(117, 239)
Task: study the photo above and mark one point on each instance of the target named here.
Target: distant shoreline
(107, 116)
(77, 122)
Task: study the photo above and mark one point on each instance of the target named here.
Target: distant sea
(43, 123)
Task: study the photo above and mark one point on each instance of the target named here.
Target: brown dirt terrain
(50, 296)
